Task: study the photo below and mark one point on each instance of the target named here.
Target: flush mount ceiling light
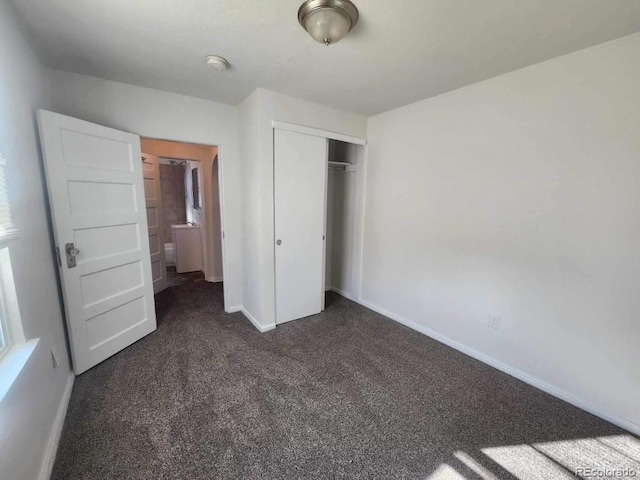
(217, 63)
(328, 21)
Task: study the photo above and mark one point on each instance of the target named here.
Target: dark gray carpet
(345, 394)
(175, 279)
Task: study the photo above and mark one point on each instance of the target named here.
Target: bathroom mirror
(195, 188)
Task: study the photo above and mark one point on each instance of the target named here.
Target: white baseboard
(56, 431)
(214, 279)
(535, 382)
(252, 319)
(344, 294)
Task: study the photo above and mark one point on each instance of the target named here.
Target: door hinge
(58, 257)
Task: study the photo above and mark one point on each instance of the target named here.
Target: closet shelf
(347, 167)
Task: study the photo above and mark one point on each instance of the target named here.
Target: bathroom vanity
(187, 244)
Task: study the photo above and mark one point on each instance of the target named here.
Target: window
(5, 331)
(7, 230)
(195, 188)
(14, 349)
(4, 334)
(9, 312)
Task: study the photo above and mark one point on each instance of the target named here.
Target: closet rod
(347, 167)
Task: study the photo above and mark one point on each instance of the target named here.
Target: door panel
(153, 200)
(95, 185)
(108, 241)
(300, 198)
(110, 283)
(106, 153)
(110, 325)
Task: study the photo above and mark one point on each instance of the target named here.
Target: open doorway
(182, 193)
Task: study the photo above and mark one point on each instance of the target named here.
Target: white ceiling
(400, 52)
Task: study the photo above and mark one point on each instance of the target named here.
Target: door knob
(279, 242)
(72, 252)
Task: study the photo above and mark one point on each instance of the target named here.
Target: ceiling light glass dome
(328, 21)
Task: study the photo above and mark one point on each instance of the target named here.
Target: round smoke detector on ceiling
(217, 63)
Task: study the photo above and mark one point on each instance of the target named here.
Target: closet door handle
(279, 242)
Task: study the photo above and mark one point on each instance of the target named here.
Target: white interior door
(153, 200)
(300, 205)
(94, 177)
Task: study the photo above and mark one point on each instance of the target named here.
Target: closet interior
(342, 189)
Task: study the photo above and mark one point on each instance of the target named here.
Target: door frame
(209, 173)
(317, 132)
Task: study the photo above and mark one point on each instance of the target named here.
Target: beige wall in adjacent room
(185, 151)
(209, 194)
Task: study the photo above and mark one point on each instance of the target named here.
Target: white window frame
(15, 350)
(7, 233)
(10, 321)
(7, 229)
(5, 339)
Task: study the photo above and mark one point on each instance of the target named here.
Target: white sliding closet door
(300, 199)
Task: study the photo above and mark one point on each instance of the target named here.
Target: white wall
(28, 411)
(520, 197)
(156, 114)
(261, 109)
(251, 232)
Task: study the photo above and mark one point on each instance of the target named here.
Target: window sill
(7, 239)
(12, 363)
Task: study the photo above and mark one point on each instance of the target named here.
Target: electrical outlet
(54, 357)
(494, 322)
